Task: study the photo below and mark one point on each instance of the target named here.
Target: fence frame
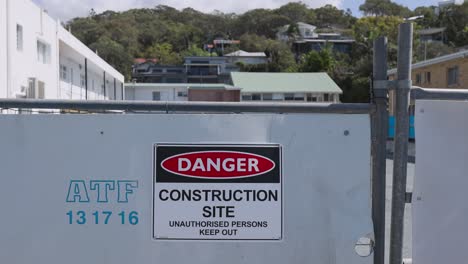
(377, 110)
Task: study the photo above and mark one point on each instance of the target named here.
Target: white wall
(24, 64)
(63, 48)
(3, 49)
(169, 93)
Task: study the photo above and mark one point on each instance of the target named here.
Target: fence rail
(438, 94)
(170, 107)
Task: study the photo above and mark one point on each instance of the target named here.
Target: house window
(256, 97)
(43, 52)
(247, 97)
(182, 94)
(289, 97)
(19, 37)
(156, 96)
(452, 76)
(63, 72)
(418, 78)
(326, 97)
(427, 77)
(267, 97)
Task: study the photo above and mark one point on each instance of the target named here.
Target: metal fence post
(405, 42)
(379, 150)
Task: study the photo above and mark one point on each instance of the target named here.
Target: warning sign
(222, 192)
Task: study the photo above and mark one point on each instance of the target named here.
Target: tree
(164, 54)
(262, 22)
(367, 29)
(429, 19)
(114, 54)
(318, 61)
(195, 51)
(295, 11)
(384, 8)
(330, 16)
(281, 57)
(293, 31)
(455, 20)
(429, 50)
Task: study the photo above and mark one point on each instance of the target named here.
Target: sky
(67, 9)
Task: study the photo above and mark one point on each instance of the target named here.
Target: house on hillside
(196, 69)
(448, 3)
(208, 69)
(310, 39)
(41, 59)
(305, 31)
(150, 72)
(445, 72)
(338, 43)
(433, 35)
(297, 87)
(248, 58)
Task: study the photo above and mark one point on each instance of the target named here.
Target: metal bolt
(346, 133)
(102, 132)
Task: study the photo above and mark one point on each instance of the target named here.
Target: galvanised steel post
(403, 85)
(379, 128)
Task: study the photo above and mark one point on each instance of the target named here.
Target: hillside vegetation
(169, 34)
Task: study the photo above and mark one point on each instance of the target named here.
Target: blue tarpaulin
(391, 127)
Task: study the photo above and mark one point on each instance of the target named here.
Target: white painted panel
(440, 208)
(326, 181)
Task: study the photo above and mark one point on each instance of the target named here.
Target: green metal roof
(260, 82)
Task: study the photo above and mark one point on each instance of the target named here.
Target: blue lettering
(77, 190)
(102, 188)
(125, 188)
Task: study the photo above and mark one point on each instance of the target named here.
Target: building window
(418, 78)
(311, 98)
(247, 97)
(40, 90)
(326, 97)
(267, 97)
(19, 37)
(182, 94)
(298, 97)
(43, 52)
(63, 72)
(156, 96)
(289, 97)
(427, 77)
(452, 76)
(82, 81)
(256, 97)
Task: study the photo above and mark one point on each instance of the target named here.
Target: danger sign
(223, 192)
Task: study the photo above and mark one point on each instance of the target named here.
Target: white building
(306, 31)
(209, 92)
(249, 58)
(156, 91)
(310, 87)
(40, 59)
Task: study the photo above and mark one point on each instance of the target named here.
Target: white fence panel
(79, 188)
(440, 208)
